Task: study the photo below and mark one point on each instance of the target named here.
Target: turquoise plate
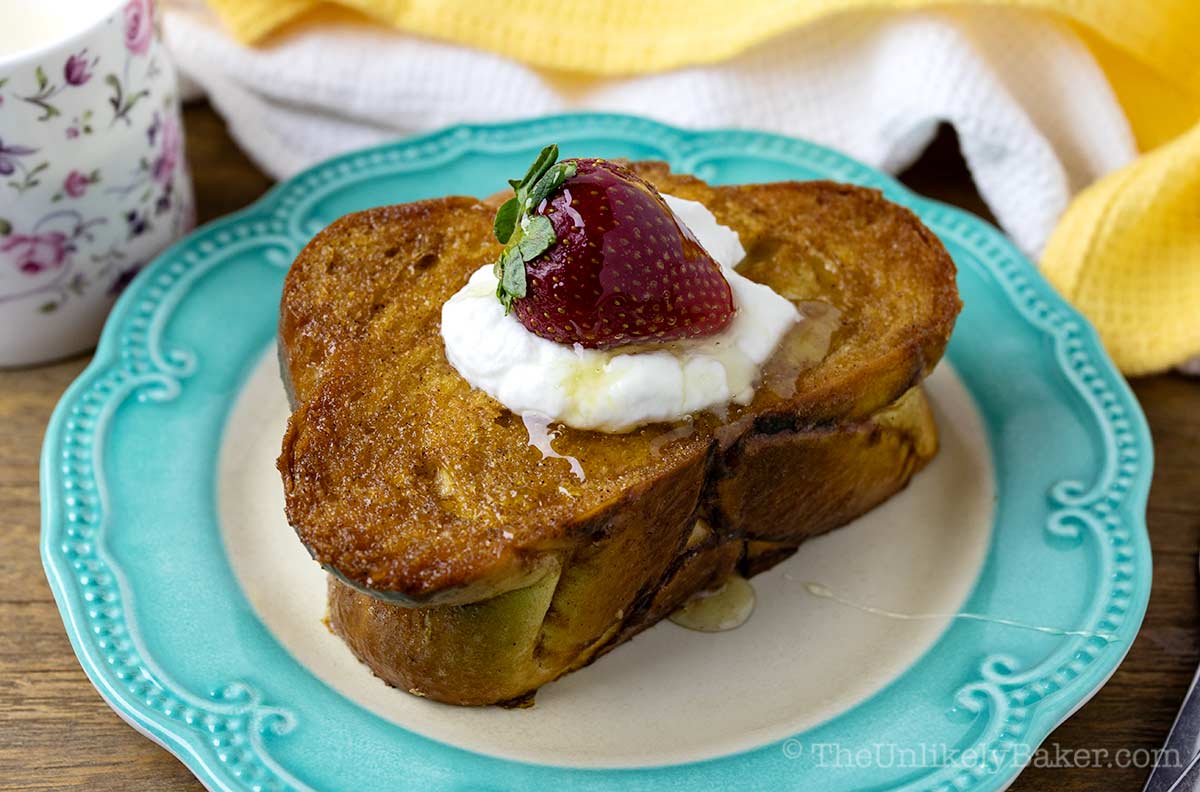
(131, 538)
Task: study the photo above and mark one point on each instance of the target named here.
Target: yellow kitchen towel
(1126, 251)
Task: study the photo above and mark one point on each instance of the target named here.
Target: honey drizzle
(726, 607)
(804, 346)
(824, 592)
(542, 438)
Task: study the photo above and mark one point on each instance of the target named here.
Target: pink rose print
(139, 25)
(36, 253)
(76, 184)
(78, 69)
(170, 147)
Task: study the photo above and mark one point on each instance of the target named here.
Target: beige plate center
(671, 695)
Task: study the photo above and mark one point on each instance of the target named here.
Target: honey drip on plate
(542, 438)
(803, 347)
(824, 592)
(724, 608)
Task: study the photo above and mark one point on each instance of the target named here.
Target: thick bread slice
(503, 648)
(404, 480)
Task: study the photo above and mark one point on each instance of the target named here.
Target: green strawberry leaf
(5, 227)
(550, 181)
(506, 220)
(547, 157)
(512, 283)
(510, 274)
(537, 239)
(525, 235)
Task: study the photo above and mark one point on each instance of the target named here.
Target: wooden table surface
(57, 734)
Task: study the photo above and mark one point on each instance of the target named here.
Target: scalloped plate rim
(183, 742)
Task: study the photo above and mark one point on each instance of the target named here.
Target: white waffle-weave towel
(1035, 117)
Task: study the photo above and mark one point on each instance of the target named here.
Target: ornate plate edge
(161, 711)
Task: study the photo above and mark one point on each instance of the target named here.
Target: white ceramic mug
(93, 181)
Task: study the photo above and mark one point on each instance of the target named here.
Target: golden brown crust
(406, 480)
(602, 592)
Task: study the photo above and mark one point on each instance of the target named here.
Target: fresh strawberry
(596, 257)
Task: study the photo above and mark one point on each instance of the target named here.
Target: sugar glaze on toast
(491, 570)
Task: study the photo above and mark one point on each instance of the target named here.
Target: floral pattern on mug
(12, 163)
(40, 98)
(124, 278)
(76, 184)
(85, 201)
(10, 157)
(122, 101)
(169, 150)
(139, 26)
(76, 71)
(42, 259)
(80, 125)
(35, 253)
(78, 68)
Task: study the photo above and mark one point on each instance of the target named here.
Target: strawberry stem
(525, 234)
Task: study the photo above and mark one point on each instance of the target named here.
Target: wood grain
(57, 734)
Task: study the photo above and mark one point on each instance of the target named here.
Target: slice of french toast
(493, 570)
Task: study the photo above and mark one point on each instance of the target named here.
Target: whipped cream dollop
(615, 390)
